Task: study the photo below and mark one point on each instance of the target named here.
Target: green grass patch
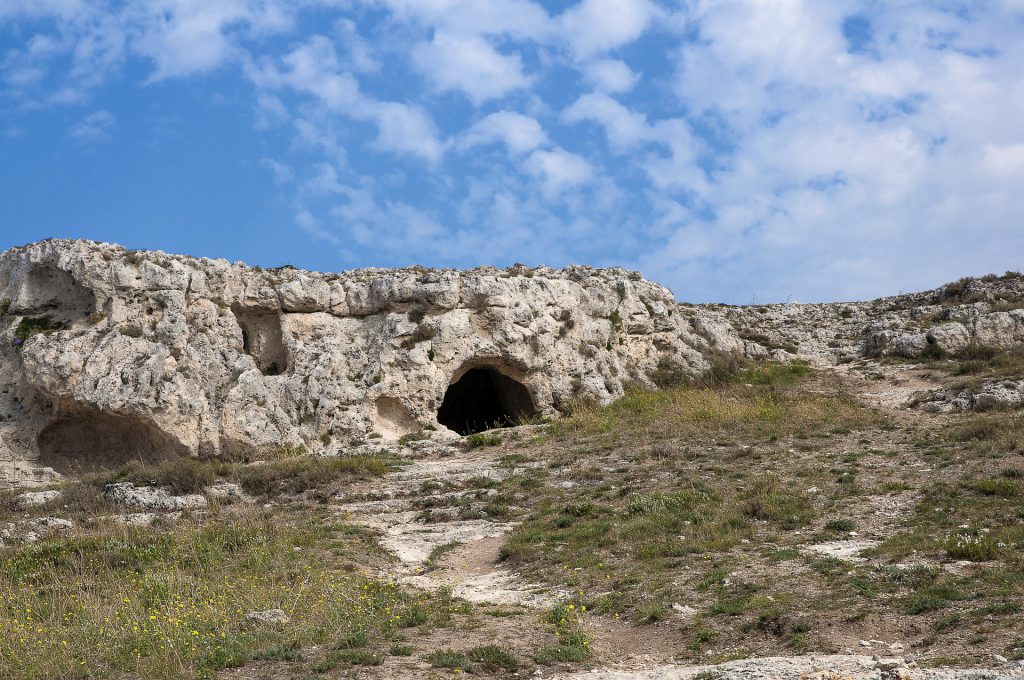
(165, 604)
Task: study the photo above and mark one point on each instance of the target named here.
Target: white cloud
(521, 19)
(184, 37)
(848, 175)
(518, 132)
(469, 64)
(313, 68)
(610, 75)
(361, 53)
(407, 129)
(270, 111)
(559, 169)
(786, 163)
(595, 26)
(311, 225)
(282, 172)
(96, 127)
(625, 129)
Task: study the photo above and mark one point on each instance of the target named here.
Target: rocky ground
(787, 522)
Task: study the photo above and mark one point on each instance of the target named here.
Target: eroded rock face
(108, 355)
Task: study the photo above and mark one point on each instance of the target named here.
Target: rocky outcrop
(108, 355)
(972, 313)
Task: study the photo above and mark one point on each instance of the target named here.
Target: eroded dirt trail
(431, 515)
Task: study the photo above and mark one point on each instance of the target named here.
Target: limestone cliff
(109, 354)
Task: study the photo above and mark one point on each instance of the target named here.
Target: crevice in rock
(85, 439)
(483, 398)
(262, 338)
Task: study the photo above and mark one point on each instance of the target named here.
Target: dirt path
(430, 518)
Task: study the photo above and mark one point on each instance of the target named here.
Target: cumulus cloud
(595, 26)
(519, 133)
(624, 129)
(610, 75)
(559, 169)
(96, 127)
(519, 19)
(314, 69)
(469, 64)
(281, 172)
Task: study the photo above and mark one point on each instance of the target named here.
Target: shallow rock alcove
(262, 338)
(483, 398)
(85, 440)
(53, 293)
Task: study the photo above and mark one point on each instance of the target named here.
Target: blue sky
(734, 150)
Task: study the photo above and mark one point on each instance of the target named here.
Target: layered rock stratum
(108, 354)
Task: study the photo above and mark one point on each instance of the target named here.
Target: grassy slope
(710, 498)
(704, 497)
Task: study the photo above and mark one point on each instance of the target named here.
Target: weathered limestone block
(949, 337)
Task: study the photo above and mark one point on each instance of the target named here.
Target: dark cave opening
(483, 399)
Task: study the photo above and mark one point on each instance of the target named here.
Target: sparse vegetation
(483, 439)
(713, 493)
(171, 604)
(298, 474)
(30, 326)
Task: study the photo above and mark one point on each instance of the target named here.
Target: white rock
(684, 610)
(151, 498)
(227, 491)
(269, 616)
(33, 498)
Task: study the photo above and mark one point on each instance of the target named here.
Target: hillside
(784, 491)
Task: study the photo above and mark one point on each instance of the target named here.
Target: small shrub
(561, 654)
(768, 501)
(1001, 487)
(412, 616)
(288, 451)
(616, 320)
(670, 374)
(702, 637)
(949, 622)
(480, 439)
(354, 640)
(956, 289)
(723, 368)
(295, 475)
(969, 545)
(493, 658)
(283, 652)
(842, 525)
(446, 658)
(30, 326)
(180, 475)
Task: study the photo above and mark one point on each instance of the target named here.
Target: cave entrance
(483, 399)
(87, 440)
